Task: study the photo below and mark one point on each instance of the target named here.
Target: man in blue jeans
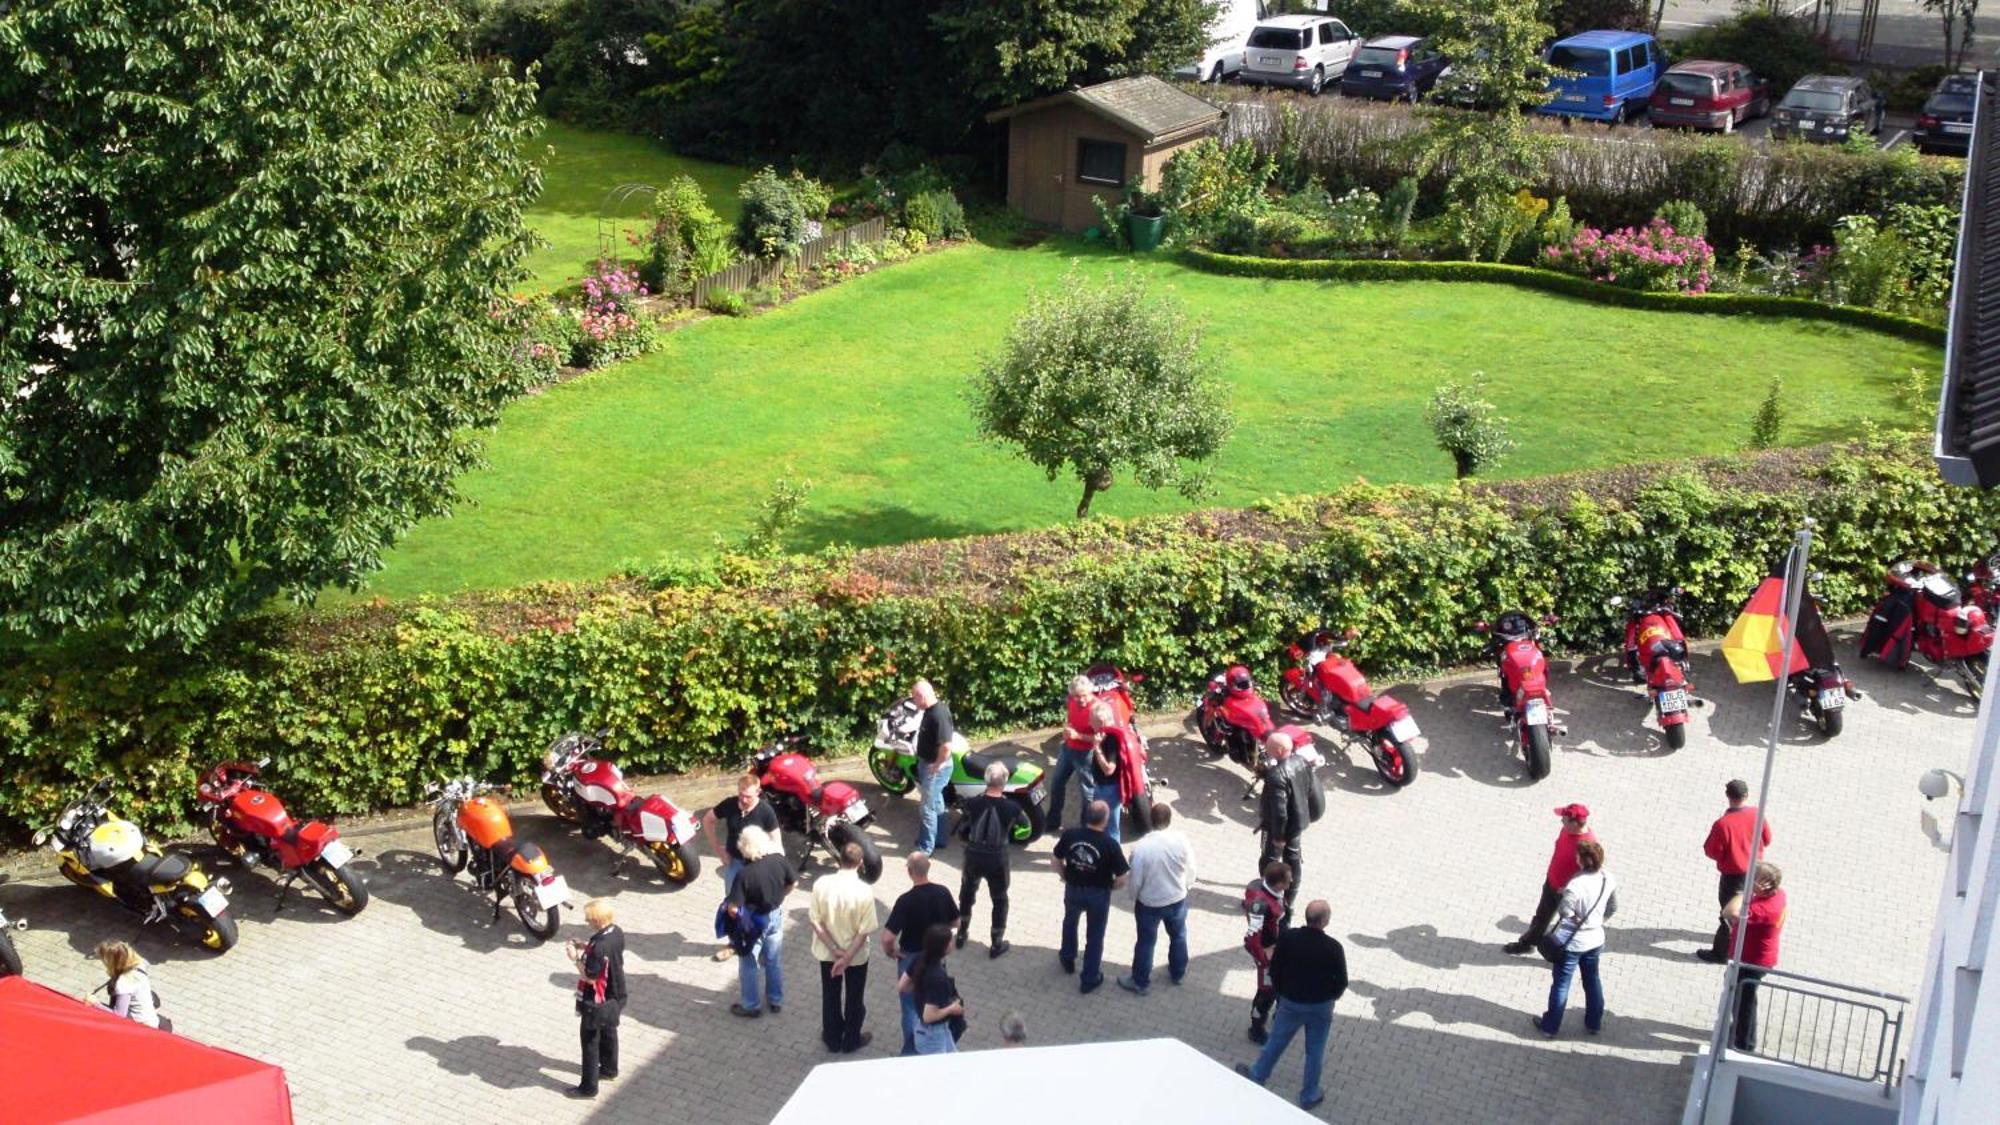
(1162, 876)
(924, 905)
(1309, 971)
(1091, 863)
(1073, 760)
(935, 733)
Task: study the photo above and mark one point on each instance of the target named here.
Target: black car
(1397, 67)
(1945, 123)
(1827, 109)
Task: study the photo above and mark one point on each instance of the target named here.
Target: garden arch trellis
(608, 220)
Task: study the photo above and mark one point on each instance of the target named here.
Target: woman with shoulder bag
(941, 1012)
(1575, 942)
(132, 995)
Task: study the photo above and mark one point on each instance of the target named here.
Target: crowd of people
(1301, 970)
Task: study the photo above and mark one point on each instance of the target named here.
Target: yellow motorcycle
(105, 853)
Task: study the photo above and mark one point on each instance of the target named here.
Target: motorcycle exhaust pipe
(18, 924)
(221, 883)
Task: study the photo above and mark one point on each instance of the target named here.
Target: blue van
(1613, 73)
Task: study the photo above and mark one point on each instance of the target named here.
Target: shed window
(1100, 162)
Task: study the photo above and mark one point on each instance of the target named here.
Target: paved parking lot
(419, 1010)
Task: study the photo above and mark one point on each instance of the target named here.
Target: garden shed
(1069, 148)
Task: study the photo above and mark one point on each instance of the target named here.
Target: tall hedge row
(359, 708)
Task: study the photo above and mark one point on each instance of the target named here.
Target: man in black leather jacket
(1283, 812)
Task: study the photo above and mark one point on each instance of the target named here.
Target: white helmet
(114, 842)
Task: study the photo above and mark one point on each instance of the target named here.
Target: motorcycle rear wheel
(451, 848)
(840, 835)
(678, 863)
(1394, 763)
(10, 958)
(1211, 739)
(1677, 735)
(889, 772)
(557, 799)
(1972, 673)
(1298, 701)
(1829, 721)
(1033, 821)
(217, 934)
(340, 886)
(1535, 748)
(541, 924)
(1138, 817)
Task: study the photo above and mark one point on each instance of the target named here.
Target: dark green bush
(779, 213)
(1777, 47)
(359, 707)
(1534, 278)
(938, 214)
(728, 302)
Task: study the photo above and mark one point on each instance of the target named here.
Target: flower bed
(1652, 258)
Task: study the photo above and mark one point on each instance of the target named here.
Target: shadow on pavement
(1391, 1004)
(1423, 945)
(452, 905)
(495, 1063)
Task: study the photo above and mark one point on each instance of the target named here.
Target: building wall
(1042, 178)
(1954, 1071)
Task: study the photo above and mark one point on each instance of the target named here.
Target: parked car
(1226, 35)
(1700, 94)
(1610, 75)
(1305, 52)
(1827, 109)
(1945, 122)
(1398, 67)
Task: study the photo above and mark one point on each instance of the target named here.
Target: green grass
(576, 207)
(860, 388)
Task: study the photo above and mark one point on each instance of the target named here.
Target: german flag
(1755, 646)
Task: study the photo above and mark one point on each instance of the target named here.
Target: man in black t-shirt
(935, 733)
(1309, 971)
(1091, 865)
(748, 807)
(924, 905)
(760, 889)
(986, 824)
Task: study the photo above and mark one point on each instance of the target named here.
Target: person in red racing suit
(1264, 914)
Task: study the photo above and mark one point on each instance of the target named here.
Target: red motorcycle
(827, 815)
(1524, 686)
(1322, 685)
(1114, 686)
(1232, 718)
(1656, 655)
(253, 825)
(1983, 586)
(588, 791)
(1924, 609)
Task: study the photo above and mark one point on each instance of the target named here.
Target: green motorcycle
(893, 761)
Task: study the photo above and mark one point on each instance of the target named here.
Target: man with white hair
(758, 899)
(986, 824)
(935, 735)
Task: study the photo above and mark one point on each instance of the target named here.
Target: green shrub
(779, 213)
(1398, 203)
(359, 707)
(728, 302)
(1769, 420)
(938, 214)
(684, 238)
(1684, 217)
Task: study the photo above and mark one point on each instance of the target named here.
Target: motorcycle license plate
(857, 812)
(336, 854)
(213, 901)
(1038, 792)
(1403, 729)
(1680, 101)
(553, 893)
(1538, 713)
(1673, 701)
(1832, 699)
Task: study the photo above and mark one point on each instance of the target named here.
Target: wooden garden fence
(750, 273)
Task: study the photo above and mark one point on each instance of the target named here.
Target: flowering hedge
(611, 326)
(1652, 258)
(359, 707)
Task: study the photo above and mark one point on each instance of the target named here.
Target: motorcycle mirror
(602, 733)
(1550, 619)
(1479, 626)
(41, 836)
(1615, 600)
(263, 763)
(1351, 633)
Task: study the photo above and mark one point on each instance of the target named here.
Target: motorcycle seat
(1365, 704)
(170, 867)
(976, 763)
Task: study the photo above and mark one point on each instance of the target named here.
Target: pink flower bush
(608, 320)
(1653, 257)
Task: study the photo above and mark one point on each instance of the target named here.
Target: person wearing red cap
(1562, 866)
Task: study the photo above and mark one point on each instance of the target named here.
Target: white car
(1304, 52)
(1226, 34)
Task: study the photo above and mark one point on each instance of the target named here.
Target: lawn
(860, 388)
(580, 179)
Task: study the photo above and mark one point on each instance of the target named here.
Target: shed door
(1046, 169)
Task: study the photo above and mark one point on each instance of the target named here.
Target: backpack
(1315, 796)
(989, 833)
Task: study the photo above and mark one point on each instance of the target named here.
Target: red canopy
(65, 1060)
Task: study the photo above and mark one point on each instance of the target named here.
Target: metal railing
(1821, 1025)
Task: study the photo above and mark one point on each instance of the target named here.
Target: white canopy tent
(1155, 1081)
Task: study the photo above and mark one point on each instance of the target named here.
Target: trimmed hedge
(1531, 277)
(359, 708)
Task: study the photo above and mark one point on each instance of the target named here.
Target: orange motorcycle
(473, 831)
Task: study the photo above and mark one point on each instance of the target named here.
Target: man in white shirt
(1162, 875)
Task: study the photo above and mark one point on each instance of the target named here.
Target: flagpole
(1788, 624)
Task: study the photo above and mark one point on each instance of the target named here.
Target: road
(1905, 34)
(421, 1009)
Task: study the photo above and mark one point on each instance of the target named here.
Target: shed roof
(1144, 105)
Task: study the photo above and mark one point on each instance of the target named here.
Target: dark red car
(1701, 94)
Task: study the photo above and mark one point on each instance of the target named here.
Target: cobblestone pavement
(419, 1010)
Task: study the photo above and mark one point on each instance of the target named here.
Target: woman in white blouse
(131, 988)
(1589, 899)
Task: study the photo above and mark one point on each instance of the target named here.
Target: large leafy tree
(1094, 378)
(253, 261)
(1014, 50)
